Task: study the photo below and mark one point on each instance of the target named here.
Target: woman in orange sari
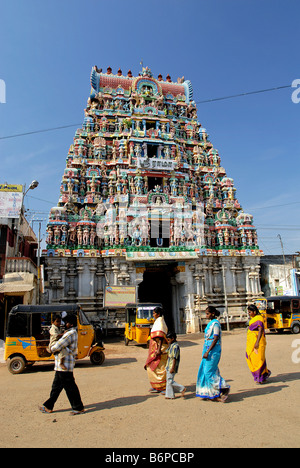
(157, 356)
(256, 346)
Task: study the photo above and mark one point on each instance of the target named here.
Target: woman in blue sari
(210, 384)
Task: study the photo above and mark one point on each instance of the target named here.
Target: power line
(272, 206)
(197, 102)
(38, 131)
(41, 199)
(276, 228)
(243, 94)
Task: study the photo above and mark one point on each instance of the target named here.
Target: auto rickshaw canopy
(138, 308)
(26, 320)
(289, 301)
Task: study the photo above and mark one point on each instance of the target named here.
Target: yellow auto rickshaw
(27, 335)
(139, 321)
(283, 313)
(261, 304)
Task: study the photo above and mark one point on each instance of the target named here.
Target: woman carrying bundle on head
(157, 356)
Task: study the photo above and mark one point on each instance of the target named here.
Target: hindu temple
(146, 204)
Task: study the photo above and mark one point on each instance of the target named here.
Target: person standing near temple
(256, 346)
(158, 353)
(172, 367)
(210, 384)
(64, 378)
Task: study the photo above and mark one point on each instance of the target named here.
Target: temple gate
(145, 202)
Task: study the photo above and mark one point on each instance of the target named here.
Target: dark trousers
(66, 381)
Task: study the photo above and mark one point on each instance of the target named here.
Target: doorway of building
(156, 287)
(154, 182)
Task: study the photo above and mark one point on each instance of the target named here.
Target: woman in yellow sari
(256, 346)
(157, 356)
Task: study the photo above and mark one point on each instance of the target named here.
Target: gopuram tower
(145, 203)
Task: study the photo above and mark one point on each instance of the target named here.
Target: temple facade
(145, 203)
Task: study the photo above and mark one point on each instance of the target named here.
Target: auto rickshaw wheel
(296, 328)
(16, 364)
(97, 358)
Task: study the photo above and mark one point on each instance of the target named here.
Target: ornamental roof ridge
(142, 74)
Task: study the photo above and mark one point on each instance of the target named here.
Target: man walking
(64, 378)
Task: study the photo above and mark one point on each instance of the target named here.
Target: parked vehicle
(139, 321)
(27, 335)
(262, 305)
(283, 313)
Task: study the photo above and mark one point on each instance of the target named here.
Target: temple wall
(229, 283)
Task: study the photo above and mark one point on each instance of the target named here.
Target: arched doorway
(156, 287)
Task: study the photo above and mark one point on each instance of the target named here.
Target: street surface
(120, 413)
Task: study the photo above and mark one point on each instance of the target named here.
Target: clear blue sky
(224, 47)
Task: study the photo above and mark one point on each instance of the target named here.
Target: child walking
(172, 367)
(55, 335)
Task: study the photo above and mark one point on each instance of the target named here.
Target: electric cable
(39, 131)
(197, 102)
(243, 94)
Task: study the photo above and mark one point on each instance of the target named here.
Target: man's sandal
(43, 409)
(75, 413)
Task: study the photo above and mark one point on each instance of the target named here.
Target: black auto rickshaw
(27, 335)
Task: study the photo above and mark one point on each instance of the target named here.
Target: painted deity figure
(56, 235)
(72, 234)
(79, 235)
(144, 231)
(220, 238)
(64, 235)
(137, 239)
(86, 236)
(111, 233)
(50, 235)
(173, 185)
(138, 185)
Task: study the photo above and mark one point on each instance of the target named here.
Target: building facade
(280, 275)
(145, 202)
(18, 259)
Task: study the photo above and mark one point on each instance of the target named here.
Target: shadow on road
(116, 403)
(85, 363)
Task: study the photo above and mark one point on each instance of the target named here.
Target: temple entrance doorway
(154, 182)
(156, 287)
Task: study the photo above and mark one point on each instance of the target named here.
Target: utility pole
(285, 273)
(38, 259)
(225, 296)
(279, 236)
(34, 184)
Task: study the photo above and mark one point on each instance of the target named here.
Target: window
(154, 181)
(83, 318)
(151, 151)
(150, 125)
(145, 313)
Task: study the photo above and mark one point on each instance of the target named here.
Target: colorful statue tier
(142, 174)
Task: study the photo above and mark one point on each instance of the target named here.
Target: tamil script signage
(11, 198)
(157, 164)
